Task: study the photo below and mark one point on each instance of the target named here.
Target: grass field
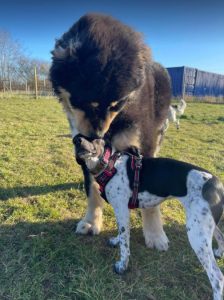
(42, 199)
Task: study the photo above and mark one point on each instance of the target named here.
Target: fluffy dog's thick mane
(87, 60)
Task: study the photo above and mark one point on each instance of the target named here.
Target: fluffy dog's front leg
(154, 234)
(93, 220)
(122, 216)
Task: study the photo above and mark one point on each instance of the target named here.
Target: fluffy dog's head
(96, 66)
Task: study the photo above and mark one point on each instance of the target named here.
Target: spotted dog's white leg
(92, 222)
(220, 241)
(178, 123)
(154, 234)
(123, 220)
(200, 227)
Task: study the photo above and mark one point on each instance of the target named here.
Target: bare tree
(42, 68)
(10, 51)
(17, 68)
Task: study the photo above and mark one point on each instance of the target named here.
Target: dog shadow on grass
(25, 191)
(53, 250)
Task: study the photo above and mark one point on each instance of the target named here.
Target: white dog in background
(174, 114)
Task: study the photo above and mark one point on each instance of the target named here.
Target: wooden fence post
(35, 81)
(26, 87)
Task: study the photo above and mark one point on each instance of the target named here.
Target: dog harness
(108, 161)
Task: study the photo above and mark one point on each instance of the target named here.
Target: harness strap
(106, 156)
(136, 165)
(104, 177)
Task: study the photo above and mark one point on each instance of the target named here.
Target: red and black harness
(108, 171)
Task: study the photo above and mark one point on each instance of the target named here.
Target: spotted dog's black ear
(133, 150)
(79, 161)
(79, 135)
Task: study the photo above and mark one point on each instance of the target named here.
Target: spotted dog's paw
(113, 242)
(218, 253)
(87, 228)
(120, 267)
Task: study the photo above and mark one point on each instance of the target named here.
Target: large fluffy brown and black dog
(106, 80)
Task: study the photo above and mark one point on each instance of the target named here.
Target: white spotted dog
(129, 181)
(174, 114)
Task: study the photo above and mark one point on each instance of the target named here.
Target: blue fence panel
(176, 75)
(189, 80)
(209, 84)
(193, 82)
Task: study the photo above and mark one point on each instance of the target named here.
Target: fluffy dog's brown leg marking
(93, 220)
(154, 234)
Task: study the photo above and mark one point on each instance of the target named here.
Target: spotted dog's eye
(116, 105)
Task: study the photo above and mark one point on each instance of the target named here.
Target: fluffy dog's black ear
(78, 160)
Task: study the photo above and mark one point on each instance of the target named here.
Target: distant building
(193, 82)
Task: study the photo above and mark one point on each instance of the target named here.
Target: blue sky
(189, 33)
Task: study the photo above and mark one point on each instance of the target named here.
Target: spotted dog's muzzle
(83, 146)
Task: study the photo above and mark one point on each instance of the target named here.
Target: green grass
(42, 199)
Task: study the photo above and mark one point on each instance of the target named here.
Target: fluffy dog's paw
(120, 267)
(113, 242)
(160, 242)
(83, 227)
(87, 228)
